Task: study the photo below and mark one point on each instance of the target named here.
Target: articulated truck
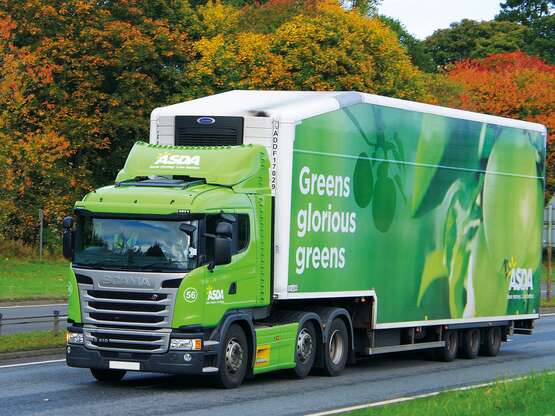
(266, 230)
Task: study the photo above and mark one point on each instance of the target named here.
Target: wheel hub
(304, 346)
(336, 347)
(233, 355)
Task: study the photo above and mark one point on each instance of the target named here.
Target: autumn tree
(79, 80)
(322, 47)
(513, 85)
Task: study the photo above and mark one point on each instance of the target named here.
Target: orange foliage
(79, 79)
(513, 85)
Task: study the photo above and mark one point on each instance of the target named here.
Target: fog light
(187, 357)
(186, 344)
(74, 338)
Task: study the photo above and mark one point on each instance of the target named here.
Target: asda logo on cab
(168, 160)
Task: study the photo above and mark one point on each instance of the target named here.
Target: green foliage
(415, 48)
(540, 39)
(525, 11)
(469, 39)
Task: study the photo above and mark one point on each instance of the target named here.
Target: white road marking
(33, 363)
(419, 396)
(547, 314)
(33, 306)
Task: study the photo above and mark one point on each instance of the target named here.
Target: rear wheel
(336, 349)
(233, 358)
(470, 345)
(305, 350)
(449, 351)
(491, 342)
(107, 376)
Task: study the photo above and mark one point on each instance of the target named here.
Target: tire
(491, 342)
(470, 343)
(107, 376)
(336, 350)
(233, 360)
(449, 352)
(305, 350)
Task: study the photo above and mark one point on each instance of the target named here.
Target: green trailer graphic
(269, 230)
(440, 216)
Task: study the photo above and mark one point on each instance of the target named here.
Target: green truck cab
(260, 231)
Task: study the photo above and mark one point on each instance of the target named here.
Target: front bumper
(172, 362)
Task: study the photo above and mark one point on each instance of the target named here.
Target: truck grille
(111, 339)
(127, 308)
(128, 319)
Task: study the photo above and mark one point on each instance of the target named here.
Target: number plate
(124, 365)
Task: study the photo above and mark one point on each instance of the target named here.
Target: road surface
(54, 389)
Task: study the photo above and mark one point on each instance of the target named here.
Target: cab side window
(241, 233)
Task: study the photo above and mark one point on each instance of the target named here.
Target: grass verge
(32, 279)
(533, 395)
(27, 341)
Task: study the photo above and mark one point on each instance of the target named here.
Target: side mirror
(222, 244)
(224, 229)
(222, 251)
(188, 229)
(67, 238)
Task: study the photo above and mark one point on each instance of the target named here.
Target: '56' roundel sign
(190, 295)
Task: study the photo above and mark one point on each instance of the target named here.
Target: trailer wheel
(107, 376)
(492, 342)
(470, 345)
(449, 352)
(305, 350)
(233, 359)
(336, 350)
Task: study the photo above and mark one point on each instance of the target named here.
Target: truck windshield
(134, 244)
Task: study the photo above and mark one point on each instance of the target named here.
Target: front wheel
(305, 350)
(107, 376)
(233, 359)
(336, 349)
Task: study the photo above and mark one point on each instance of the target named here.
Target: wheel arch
(245, 321)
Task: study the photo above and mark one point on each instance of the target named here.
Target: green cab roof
(224, 165)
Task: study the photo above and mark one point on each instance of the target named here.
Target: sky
(422, 17)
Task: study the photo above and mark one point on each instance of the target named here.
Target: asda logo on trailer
(178, 160)
(519, 278)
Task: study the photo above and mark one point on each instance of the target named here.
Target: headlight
(75, 338)
(186, 344)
